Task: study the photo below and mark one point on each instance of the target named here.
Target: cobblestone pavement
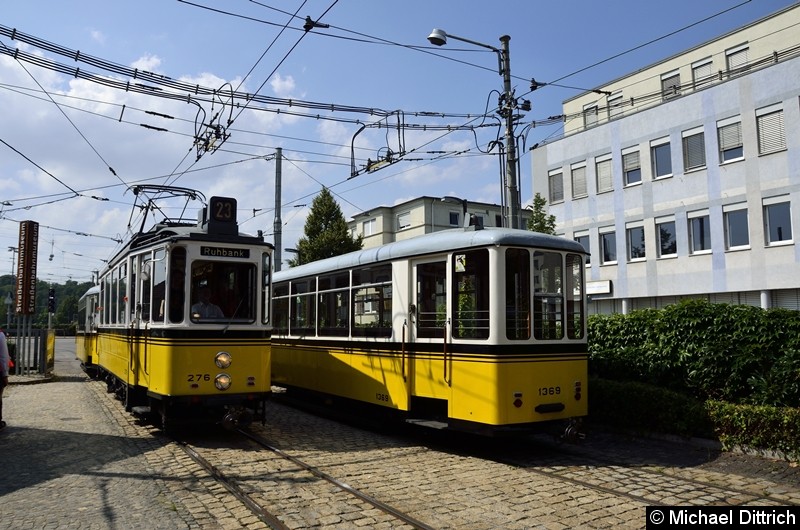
(72, 458)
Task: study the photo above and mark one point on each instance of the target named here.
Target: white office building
(682, 179)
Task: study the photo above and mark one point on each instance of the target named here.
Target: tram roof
(432, 243)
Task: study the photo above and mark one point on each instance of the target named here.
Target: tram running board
(140, 411)
(433, 424)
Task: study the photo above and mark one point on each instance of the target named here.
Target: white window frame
(635, 227)
(577, 174)
(602, 232)
(403, 221)
(604, 173)
(627, 167)
(702, 72)
(550, 181)
(693, 143)
(614, 102)
(671, 90)
(770, 129)
(590, 115)
(729, 138)
(727, 211)
(767, 203)
(368, 227)
(653, 145)
(691, 217)
(659, 246)
(582, 234)
(736, 58)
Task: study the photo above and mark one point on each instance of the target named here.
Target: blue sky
(61, 135)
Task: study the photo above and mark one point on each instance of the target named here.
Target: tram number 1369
(549, 390)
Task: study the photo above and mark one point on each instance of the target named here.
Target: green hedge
(700, 369)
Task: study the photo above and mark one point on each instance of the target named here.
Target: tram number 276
(549, 390)
(196, 378)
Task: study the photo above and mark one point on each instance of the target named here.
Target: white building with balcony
(683, 179)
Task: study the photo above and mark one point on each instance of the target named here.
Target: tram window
(266, 281)
(301, 319)
(123, 294)
(159, 281)
(177, 285)
(333, 313)
(114, 292)
(280, 309)
(574, 294)
(471, 294)
(548, 302)
(518, 294)
(372, 310)
(145, 277)
(431, 299)
(223, 290)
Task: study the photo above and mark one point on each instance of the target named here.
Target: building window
(583, 239)
(737, 235)
(729, 133)
(634, 236)
(670, 85)
(368, 227)
(699, 233)
(403, 221)
(615, 105)
(771, 133)
(661, 155)
(694, 149)
(777, 220)
(454, 219)
(603, 171)
(556, 186)
(579, 181)
(590, 115)
(608, 248)
(667, 243)
(702, 73)
(736, 58)
(631, 167)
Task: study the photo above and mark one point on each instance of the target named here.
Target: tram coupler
(573, 432)
(237, 418)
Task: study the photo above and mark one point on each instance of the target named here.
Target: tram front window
(223, 291)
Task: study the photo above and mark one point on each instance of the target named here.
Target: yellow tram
(178, 325)
(480, 330)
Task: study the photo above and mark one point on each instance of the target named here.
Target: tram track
(241, 483)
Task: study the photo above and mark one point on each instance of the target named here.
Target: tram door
(428, 389)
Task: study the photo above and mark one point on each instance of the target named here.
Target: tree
(540, 221)
(325, 232)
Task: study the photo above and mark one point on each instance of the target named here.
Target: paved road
(71, 458)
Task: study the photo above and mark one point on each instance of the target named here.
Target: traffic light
(51, 301)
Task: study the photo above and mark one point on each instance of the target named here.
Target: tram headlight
(222, 381)
(223, 359)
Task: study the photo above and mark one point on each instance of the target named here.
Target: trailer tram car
(178, 325)
(479, 330)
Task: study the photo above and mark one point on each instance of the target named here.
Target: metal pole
(512, 194)
(278, 225)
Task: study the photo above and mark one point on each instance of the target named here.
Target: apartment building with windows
(682, 179)
(422, 215)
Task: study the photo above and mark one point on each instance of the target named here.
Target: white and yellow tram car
(182, 320)
(480, 330)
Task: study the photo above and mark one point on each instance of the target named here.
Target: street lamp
(13, 251)
(294, 251)
(438, 37)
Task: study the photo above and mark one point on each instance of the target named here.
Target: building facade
(385, 224)
(683, 178)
